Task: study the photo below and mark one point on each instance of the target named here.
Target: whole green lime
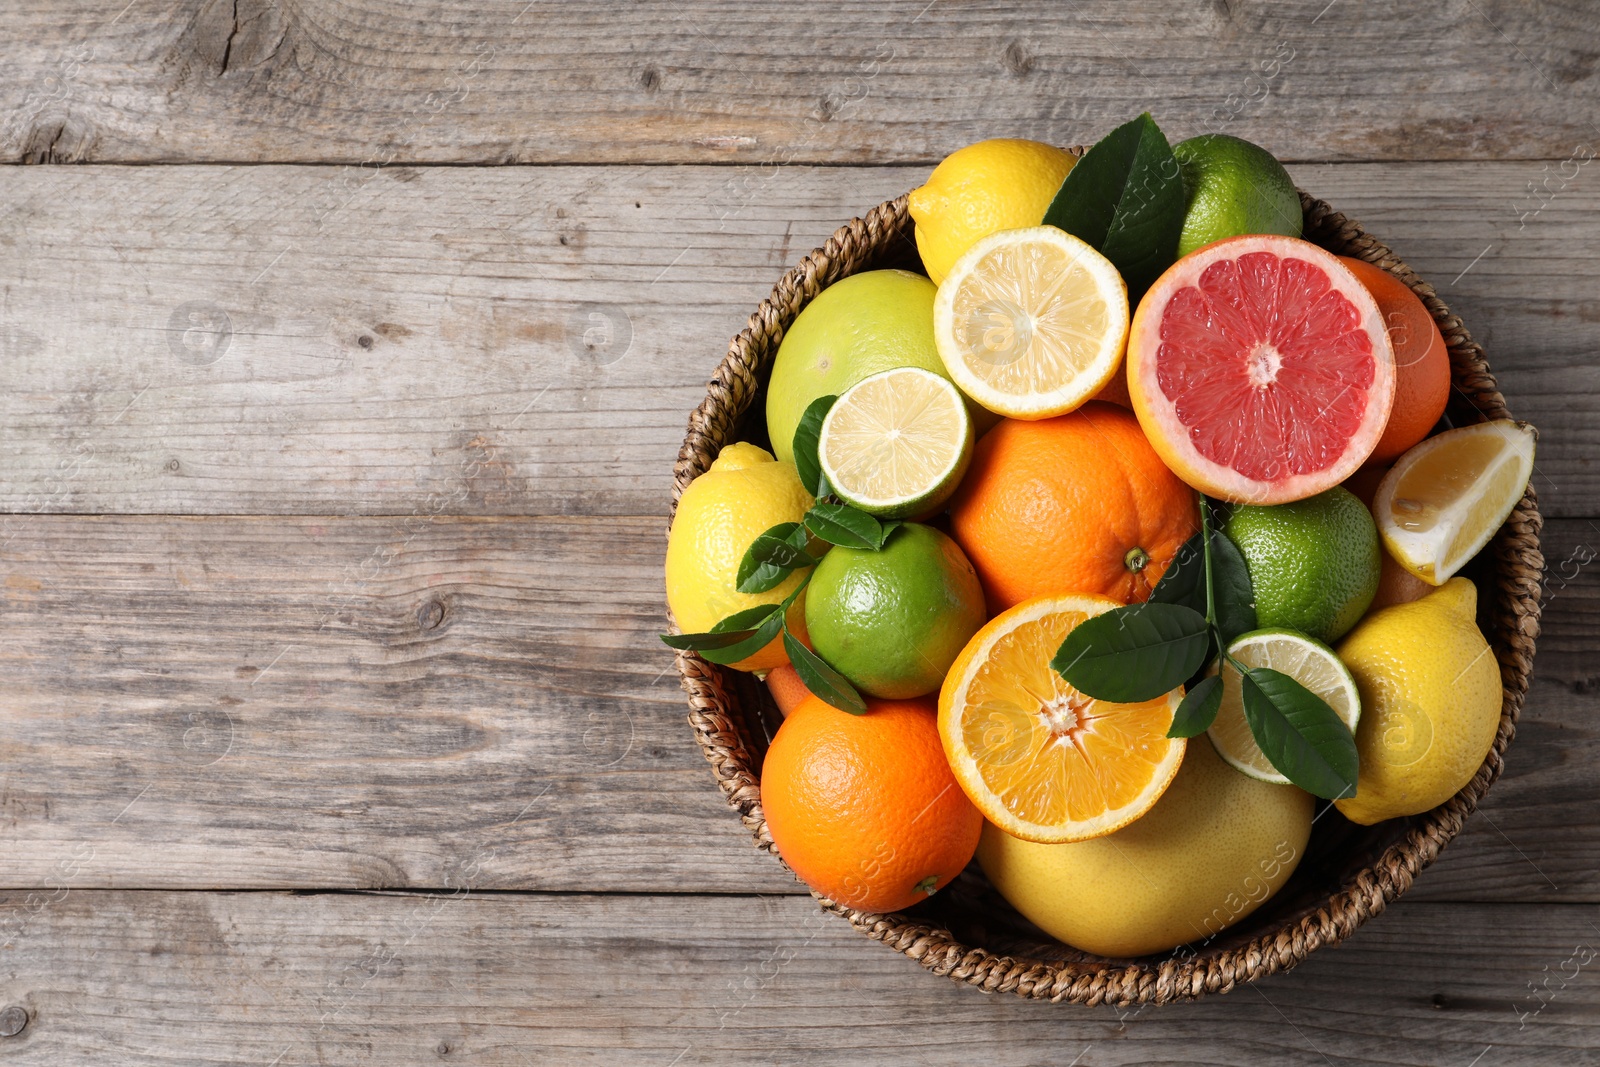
(893, 621)
(1233, 187)
(1314, 563)
(858, 326)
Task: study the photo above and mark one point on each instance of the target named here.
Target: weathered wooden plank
(307, 702)
(531, 340)
(312, 702)
(538, 81)
(264, 978)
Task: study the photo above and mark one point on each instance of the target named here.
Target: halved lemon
(1443, 500)
(896, 443)
(1309, 662)
(1031, 323)
(1042, 761)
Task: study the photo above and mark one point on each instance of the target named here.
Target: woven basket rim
(1362, 893)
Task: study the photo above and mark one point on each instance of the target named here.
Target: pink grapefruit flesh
(1261, 369)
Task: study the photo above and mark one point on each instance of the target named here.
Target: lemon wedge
(1443, 500)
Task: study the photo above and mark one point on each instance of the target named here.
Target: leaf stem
(1205, 545)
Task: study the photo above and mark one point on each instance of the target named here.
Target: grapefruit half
(1261, 369)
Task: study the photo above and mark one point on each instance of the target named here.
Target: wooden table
(343, 374)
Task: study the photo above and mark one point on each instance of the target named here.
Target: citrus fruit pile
(1107, 552)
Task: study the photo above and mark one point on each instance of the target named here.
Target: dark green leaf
(821, 679)
(1183, 582)
(1134, 653)
(1199, 709)
(748, 619)
(760, 637)
(1211, 653)
(1234, 597)
(805, 446)
(736, 629)
(1300, 734)
(772, 556)
(706, 641)
(841, 524)
(1126, 198)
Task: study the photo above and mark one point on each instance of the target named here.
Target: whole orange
(1075, 504)
(1421, 361)
(864, 807)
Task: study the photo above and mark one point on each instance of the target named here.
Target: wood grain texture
(254, 979)
(315, 340)
(325, 703)
(538, 81)
(306, 702)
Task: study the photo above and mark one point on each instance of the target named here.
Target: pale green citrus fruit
(860, 325)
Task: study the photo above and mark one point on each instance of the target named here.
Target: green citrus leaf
(736, 628)
(771, 558)
(841, 524)
(706, 641)
(805, 446)
(760, 637)
(1301, 736)
(1183, 582)
(1134, 653)
(822, 680)
(748, 619)
(1234, 596)
(1199, 709)
(1126, 198)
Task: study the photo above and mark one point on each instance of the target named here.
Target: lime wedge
(1311, 663)
(897, 443)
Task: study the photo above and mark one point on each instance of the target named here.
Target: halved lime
(1309, 662)
(897, 443)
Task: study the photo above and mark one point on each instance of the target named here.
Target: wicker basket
(968, 932)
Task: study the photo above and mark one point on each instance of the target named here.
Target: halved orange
(1041, 760)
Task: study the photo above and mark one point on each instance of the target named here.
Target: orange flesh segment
(1048, 753)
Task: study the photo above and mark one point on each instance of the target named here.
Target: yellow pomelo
(1215, 847)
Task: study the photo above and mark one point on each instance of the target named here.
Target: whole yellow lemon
(1000, 184)
(1430, 702)
(1215, 847)
(744, 493)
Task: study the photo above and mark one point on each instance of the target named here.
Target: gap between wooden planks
(316, 340)
(216, 702)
